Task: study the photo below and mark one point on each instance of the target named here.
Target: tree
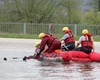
(30, 10)
(41, 11)
(69, 11)
(92, 16)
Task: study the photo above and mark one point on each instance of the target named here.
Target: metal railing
(36, 28)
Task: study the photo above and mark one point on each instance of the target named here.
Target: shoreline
(18, 43)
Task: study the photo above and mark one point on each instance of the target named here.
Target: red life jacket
(70, 38)
(88, 41)
(51, 38)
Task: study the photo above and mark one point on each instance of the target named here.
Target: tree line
(50, 11)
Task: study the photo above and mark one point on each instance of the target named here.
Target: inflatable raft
(83, 57)
(61, 56)
(77, 56)
(66, 56)
(58, 56)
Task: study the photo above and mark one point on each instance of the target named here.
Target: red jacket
(47, 40)
(88, 41)
(70, 38)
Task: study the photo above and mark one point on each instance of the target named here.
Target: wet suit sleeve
(42, 46)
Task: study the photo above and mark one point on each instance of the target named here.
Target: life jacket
(70, 38)
(51, 38)
(88, 41)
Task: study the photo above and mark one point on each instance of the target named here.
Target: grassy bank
(96, 38)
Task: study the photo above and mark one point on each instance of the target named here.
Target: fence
(35, 28)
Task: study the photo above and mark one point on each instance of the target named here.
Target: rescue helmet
(36, 44)
(85, 31)
(65, 29)
(41, 35)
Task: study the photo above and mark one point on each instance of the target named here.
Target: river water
(17, 69)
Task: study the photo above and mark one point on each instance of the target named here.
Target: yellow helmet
(36, 44)
(85, 31)
(65, 29)
(41, 35)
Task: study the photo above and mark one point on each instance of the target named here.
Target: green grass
(4, 35)
(18, 36)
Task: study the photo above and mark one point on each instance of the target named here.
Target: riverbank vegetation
(96, 38)
(50, 11)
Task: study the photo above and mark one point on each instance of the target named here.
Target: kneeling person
(51, 41)
(86, 41)
(68, 39)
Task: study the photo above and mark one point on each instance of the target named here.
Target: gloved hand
(24, 58)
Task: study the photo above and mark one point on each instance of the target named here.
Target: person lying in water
(37, 49)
